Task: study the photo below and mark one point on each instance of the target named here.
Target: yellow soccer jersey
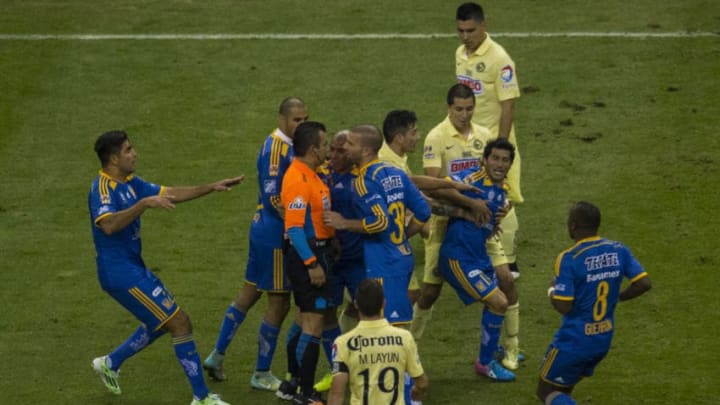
(447, 149)
(376, 355)
(490, 72)
(389, 156)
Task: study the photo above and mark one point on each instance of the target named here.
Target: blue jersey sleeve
(371, 206)
(633, 270)
(143, 188)
(564, 278)
(272, 163)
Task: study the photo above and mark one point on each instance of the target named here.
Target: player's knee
(430, 294)
(179, 324)
(278, 308)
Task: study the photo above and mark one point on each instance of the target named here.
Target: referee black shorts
(310, 298)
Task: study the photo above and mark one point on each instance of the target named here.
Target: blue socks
(190, 360)
(267, 342)
(491, 327)
(562, 399)
(133, 345)
(233, 319)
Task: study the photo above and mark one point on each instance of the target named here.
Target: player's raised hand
(225, 185)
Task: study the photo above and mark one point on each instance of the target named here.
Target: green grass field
(628, 123)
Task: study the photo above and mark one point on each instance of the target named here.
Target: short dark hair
(289, 103)
(369, 136)
(470, 11)
(307, 134)
(397, 121)
(369, 297)
(499, 143)
(108, 144)
(461, 91)
(586, 216)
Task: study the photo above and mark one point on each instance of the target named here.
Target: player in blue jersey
(116, 201)
(464, 260)
(382, 194)
(265, 270)
(586, 287)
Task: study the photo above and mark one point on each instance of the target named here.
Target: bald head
(369, 137)
(289, 103)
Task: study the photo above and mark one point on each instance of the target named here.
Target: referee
(305, 197)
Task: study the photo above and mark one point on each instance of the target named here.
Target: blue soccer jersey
(341, 194)
(266, 263)
(118, 256)
(464, 261)
(383, 194)
(465, 239)
(590, 275)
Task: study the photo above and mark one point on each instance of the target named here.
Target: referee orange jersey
(305, 198)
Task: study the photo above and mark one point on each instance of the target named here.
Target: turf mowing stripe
(211, 37)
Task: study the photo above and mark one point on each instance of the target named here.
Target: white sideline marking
(209, 37)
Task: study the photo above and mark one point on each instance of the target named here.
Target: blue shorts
(266, 264)
(148, 300)
(348, 274)
(398, 308)
(564, 368)
(470, 283)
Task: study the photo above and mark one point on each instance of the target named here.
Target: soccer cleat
(108, 376)
(213, 364)
(264, 380)
(494, 371)
(287, 389)
(500, 354)
(313, 399)
(324, 384)
(511, 359)
(211, 399)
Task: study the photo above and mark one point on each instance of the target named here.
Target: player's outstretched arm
(181, 194)
(121, 219)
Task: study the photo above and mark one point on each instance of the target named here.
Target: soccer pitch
(626, 121)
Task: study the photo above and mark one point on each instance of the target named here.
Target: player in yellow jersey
(484, 66)
(454, 145)
(374, 357)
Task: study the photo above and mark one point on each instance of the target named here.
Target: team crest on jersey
(297, 204)
(105, 199)
(506, 74)
(274, 170)
(491, 195)
(167, 303)
(478, 144)
(480, 67)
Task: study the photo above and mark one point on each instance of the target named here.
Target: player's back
(398, 195)
(590, 274)
(377, 355)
